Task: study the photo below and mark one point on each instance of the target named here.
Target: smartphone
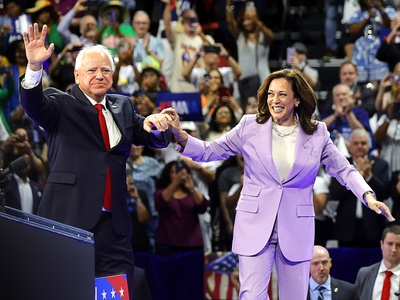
(211, 49)
(123, 47)
(290, 55)
(224, 94)
(180, 165)
(76, 48)
(112, 16)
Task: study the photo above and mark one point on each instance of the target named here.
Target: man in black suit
(89, 136)
(22, 192)
(320, 280)
(355, 226)
(371, 280)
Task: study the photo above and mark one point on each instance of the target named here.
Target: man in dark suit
(22, 192)
(89, 135)
(355, 226)
(322, 283)
(371, 280)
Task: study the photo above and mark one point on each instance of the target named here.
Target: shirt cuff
(32, 78)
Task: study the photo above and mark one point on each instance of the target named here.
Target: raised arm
(36, 51)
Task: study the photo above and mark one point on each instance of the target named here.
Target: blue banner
(187, 105)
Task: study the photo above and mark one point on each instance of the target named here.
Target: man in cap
(112, 30)
(299, 63)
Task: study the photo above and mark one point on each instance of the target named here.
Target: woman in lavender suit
(282, 147)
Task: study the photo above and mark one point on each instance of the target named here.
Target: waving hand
(36, 51)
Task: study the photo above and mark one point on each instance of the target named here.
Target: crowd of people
(179, 204)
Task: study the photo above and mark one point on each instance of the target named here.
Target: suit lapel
(115, 110)
(262, 144)
(90, 111)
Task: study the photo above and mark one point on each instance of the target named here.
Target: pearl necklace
(274, 127)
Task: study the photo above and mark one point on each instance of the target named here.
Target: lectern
(43, 259)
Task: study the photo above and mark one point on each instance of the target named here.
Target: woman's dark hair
(246, 34)
(213, 124)
(165, 178)
(301, 89)
(12, 49)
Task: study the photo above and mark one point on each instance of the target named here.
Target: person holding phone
(125, 77)
(215, 93)
(211, 55)
(297, 59)
(61, 70)
(185, 44)
(113, 14)
(178, 203)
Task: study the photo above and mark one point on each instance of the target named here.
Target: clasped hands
(166, 119)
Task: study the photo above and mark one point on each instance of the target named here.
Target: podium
(43, 259)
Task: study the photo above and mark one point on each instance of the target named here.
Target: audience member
(12, 23)
(345, 116)
(386, 95)
(382, 280)
(362, 93)
(229, 181)
(211, 58)
(113, 14)
(87, 26)
(151, 79)
(138, 205)
(395, 195)
(372, 17)
(322, 284)
(145, 43)
(23, 193)
(6, 92)
(185, 42)
(178, 203)
(222, 120)
(146, 171)
(18, 144)
(125, 76)
(17, 58)
(62, 67)
(388, 137)
(215, 93)
(299, 62)
(332, 16)
(253, 40)
(324, 213)
(389, 50)
(355, 225)
(45, 12)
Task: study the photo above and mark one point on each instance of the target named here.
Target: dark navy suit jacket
(78, 159)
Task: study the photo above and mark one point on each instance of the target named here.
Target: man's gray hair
(95, 48)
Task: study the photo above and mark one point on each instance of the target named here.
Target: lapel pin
(335, 290)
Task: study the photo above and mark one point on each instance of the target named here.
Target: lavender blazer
(265, 197)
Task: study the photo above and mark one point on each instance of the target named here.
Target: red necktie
(386, 286)
(104, 132)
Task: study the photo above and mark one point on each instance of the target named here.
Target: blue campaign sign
(187, 105)
(111, 287)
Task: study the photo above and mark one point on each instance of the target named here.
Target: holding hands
(36, 51)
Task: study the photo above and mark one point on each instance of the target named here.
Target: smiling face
(281, 102)
(94, 76)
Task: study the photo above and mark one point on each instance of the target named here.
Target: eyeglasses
(223, 112)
